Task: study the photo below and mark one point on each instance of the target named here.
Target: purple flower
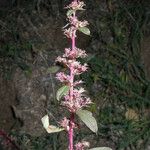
(76, 5)
(82, 145)
(65, 123)
(76, 23)
(72, 54)
(78, 101)
(70, 32)
(78, 82)
(61, 60)
(63, 77)
(78, 68)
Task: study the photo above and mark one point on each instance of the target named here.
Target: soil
(7, 100)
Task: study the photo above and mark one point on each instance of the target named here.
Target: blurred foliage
(12, 56)
(27, 142)
(117, 73)
(116, 79)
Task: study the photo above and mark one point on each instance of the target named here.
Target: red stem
(71, 131)
(9, 140)
(71, 125)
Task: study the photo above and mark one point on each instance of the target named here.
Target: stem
(9, 140)
(71, 125)
(71, 131)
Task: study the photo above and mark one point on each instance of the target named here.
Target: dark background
(118, 82)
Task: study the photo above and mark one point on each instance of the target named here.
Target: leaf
(70, 12)
(50, 128)
(54, 129)
(101, 148)
(61, 92)
(53, 69)
(84, 30)
(131, 115)
(45, 121)
(88, 119)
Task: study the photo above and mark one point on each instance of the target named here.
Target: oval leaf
(131, 114)
(54, 129)
(61, 92)
(45, 121)
(88, 119)
(101, 148)
(84, 30)
(53, 69)
(50, 128)
(70, 12)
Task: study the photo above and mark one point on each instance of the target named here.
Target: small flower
(65, 123)
(80, 53)
(71, 54)
(63, 77)
(61, 60)
(75, 22)
(78, 68)
(78, 93)
(77, 83)
(82, 23)
(81, 102)
(82, 145)
(70, 32)
(78, 101)
(76, 5)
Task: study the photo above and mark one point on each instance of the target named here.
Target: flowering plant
(73, 95)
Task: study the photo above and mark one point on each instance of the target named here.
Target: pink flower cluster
(65, 123)
(82, 145)
(73, 20)
(75, 99)
(76, 5)
(69, 59)
(74, 54)
(78, 101)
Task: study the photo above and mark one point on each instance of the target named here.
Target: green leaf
(54, 129)
(50, 128)
(70, 12)
(88, 119)
(84, 30)
(61, 92)
(45, 121)
(53, 69)
(101, 148)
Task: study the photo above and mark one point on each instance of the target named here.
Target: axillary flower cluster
(75, 99)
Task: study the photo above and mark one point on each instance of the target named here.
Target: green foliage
(61, 92)
(13, 56)
(70, 12)
(28, 142)
(116, 79)
(84, 30)
(87, 117)
(53, 69)
(50, 128)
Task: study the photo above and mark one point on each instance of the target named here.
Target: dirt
(7, 100)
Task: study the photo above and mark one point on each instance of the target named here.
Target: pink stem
(71, 134)
(9, 140)
(71, 131)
